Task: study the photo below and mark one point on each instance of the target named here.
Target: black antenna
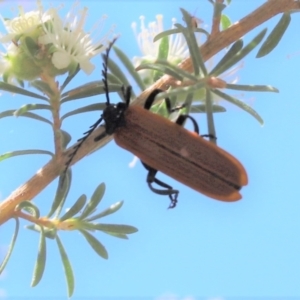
(104, 71)
(94, 126)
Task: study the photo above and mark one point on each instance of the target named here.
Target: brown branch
(38, 221)
(50, 171)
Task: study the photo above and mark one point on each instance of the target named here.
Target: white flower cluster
(41, 42)
(177, 47)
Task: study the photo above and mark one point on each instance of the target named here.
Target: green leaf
(95, 244)
(50, 233)
(67, 267)
(94, 201)
(88, 90)
(93, 85)
(123, 229)
(163, 52)
(177, 70)
(240, 104)
(42, 86)
(130, 67)
(161, 69)
(112, 209)
(116, 71)
(165, 34)
(29, 207)
(20, 82)
(69, 78)
(11, 246)
(201, 30)
(66, 138)
(10, 113)
(168, 68)
(198, 64)
(181, 91)
(201, 108)
(31, 46)
(163, 49)
(275, 36)
(210, 116)
(118, 235)
(16, 90)
(189, 35)
(252, 88)
(192, 50)
(41, 260)
(175, 31)
(240, 55)
(225, 22)
(77, 206)
(62, 191)
(84, 109)
(234, 49)
(24, 152)
(113, 79)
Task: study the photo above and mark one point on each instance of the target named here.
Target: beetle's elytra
(169, 148)
(182, 155)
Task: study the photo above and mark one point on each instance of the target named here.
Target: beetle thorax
(114, 117)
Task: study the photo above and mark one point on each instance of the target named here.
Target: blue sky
(203, 249)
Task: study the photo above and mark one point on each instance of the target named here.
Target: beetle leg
(182, 118)
(151, 98)
(170, 109)
(168, 191)
(126, 93)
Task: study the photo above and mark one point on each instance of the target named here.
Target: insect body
(182, 155)
(169, 148)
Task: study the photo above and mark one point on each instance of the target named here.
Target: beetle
(167, 147)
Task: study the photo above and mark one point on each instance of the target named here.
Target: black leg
(167, 191)
(172, 109)
(151, 177)
(182, 118)
(151, 98)
(126, 94)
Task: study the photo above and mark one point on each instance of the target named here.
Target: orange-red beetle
(169, 148)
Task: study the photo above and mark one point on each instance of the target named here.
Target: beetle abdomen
(181, 154)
